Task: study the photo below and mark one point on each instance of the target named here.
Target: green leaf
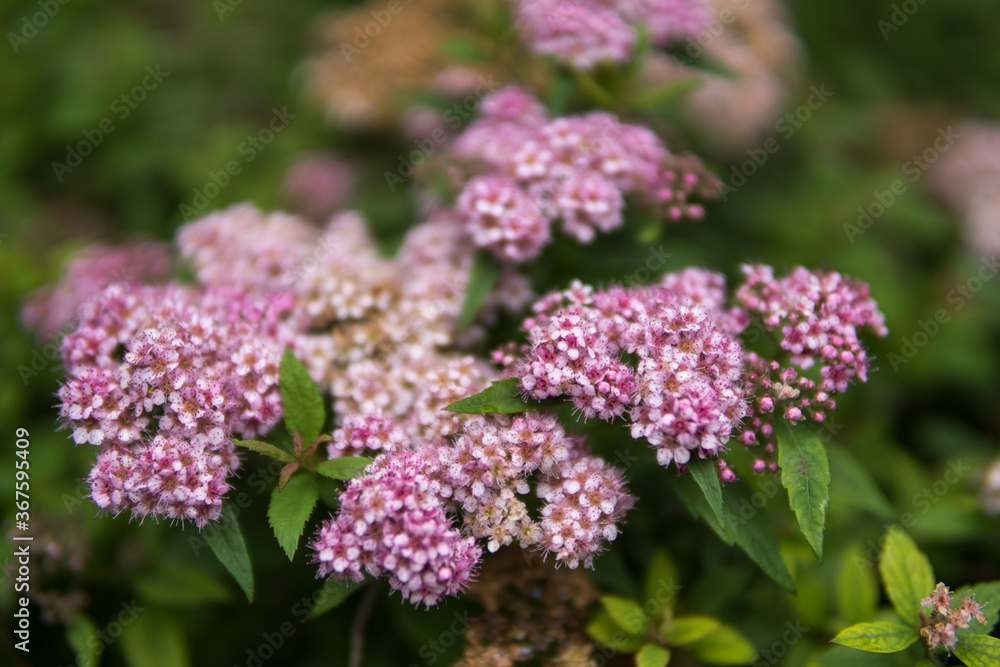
(80, 634)
(689, 629)
(844, 656)
(853, 486)
(750, 529)
(805, 472)
(501, 397)
(602, 628)
(176, 585)
(987, 594)
(755, 535)
(628, 614)
(878, 637)
(663, 96)
(344, 467)
(978, 650)
(703, 472)
(301, 402)
(266, 449)
(652, 655)
(906, 574)
(227, 543)
(154, 640)
(639, 52)
(692, 497)
(707, 62)
(857, 588)
(561, 89)
(598, 94)
(662, 583)
(290, 509)
(612, 575)
(482, 278)
(725, 646)
(332, 594)
(605, 630)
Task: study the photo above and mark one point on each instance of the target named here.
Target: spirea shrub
(164, 381)
(450, 433)
(163, 378)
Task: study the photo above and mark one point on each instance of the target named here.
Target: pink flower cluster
(351, 304)
(89, 271)
(480, 467)
(685, 393)
(503, 217)
(318, 185)
(939, 629)
(533, 171)
(817, 317)
(392, 521)
(692, 385)
(160, 378)
(586, 33)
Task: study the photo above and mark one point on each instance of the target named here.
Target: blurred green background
(227, 74)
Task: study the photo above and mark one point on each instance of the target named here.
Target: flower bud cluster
(816, 317)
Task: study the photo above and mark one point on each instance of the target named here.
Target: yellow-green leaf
(987, 594)
(80, 634)
(978, 650)
(857, 587)
(605, 630)
(724, 646)
(652, 655)
(154, 640)
(628, 614)
(906, 574)
(880, 637)
(662, 584)
(688, 629)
